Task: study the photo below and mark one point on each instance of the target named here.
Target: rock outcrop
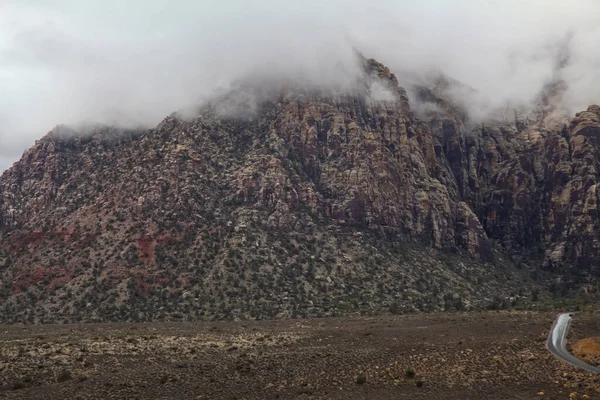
(531, 182)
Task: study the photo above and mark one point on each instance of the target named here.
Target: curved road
(557, 343)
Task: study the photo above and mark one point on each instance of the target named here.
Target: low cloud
(132, 63)
(379, 92)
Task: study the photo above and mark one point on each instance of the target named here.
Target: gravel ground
(432, 356)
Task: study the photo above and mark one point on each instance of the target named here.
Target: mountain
(291, 201)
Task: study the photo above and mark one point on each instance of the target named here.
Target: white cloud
(66, 61)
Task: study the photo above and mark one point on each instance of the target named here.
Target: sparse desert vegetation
(491, 355)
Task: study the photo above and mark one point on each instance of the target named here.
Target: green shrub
(65, 375)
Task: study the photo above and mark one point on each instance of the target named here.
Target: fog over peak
(134, 62)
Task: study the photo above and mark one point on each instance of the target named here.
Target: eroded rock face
(572, 224)
(531, 183)
(545, 194)
(295, 205)
(530, 178)
(359, 161)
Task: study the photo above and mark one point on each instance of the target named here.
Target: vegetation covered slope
(295, 203)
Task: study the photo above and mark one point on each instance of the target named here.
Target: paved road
(557, 343)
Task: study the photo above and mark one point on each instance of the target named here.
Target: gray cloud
(128, 63)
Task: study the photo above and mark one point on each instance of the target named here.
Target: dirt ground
(432, 356)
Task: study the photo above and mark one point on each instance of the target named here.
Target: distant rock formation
(307, 202)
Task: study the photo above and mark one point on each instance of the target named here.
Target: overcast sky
(134, 62)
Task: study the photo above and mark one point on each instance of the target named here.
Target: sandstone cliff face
(358, 160)
(309, 202)
(531, 182)
(572, 223)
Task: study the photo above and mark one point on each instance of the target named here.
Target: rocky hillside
(300, 202)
